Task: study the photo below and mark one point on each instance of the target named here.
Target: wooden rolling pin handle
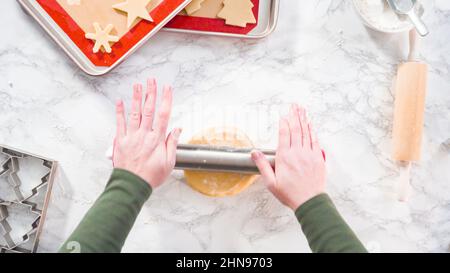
(414, 41)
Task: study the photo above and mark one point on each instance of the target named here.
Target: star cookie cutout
(102, 37)
(135, 9)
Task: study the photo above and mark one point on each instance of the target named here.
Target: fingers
(294, 126)
(164, 112)
(303, 124)
(265, 169)
(136, 108)
(313, 137)
(315, 145)
(149, 105)
(121, 129)
(284, 137)
(171, 146)
(306, 139)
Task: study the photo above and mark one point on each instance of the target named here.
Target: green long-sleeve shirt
(106, 225)
(325, 229)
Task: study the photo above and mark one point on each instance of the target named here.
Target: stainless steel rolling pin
(221, 159)
(215, 158)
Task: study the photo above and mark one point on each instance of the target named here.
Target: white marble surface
(320, 56)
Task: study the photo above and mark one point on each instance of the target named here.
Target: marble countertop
(320, 56)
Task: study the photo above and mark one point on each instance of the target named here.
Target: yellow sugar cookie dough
(101, 11)
(194, 6)
(237, 12)
(135, 9)
(208, 9)
(74, 2)
(219, 184)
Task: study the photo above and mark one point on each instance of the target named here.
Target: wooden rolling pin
(410, 91)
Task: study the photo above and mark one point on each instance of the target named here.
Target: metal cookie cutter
(12, 245)
(9, 170)
(5, 228)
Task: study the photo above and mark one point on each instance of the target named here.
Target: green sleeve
(106, 225)
(325, 229)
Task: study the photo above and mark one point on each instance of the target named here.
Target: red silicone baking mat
(212, 24)
(76, 34)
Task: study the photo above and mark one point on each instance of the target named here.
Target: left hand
(142, 146)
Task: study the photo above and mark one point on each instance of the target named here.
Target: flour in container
(379, 15)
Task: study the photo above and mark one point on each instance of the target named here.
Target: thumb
(265, 169)
(171, 146)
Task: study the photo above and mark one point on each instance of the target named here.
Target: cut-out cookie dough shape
(219, 184)
(74, 2)
(135, 9)
(194, 6)
(102, 37)
(237, 12)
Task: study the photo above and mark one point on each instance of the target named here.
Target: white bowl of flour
(377, 15)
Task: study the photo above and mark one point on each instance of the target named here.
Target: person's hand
(142, 147)
(299, 163)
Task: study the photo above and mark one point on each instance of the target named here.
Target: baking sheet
(206, 20)
(69, 32)
(266, 14)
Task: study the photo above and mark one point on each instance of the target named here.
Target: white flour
(380, 16)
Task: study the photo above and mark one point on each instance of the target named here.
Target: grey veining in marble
(320, 56)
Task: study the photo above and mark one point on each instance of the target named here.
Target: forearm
(324, 227)
(106, 225)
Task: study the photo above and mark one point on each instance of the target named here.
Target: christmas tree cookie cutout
(102, 37)
(134, 9)
(194, 6)
(237, 12)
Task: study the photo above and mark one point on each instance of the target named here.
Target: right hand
(300, 172)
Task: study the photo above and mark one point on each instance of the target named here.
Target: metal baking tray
(60, 37)
(267, 22)
(32, 202)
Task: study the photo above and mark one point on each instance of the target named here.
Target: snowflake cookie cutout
(102, 37)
